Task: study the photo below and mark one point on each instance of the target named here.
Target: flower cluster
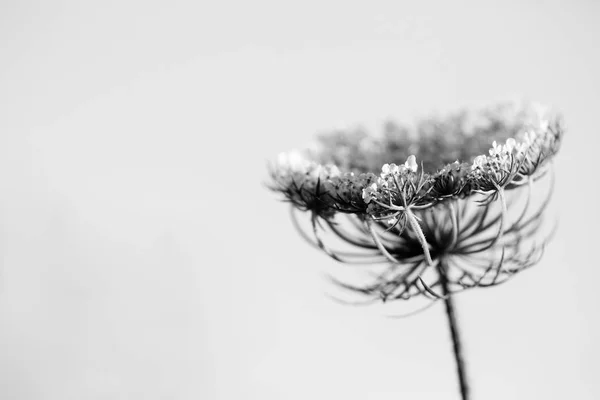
(422, 212)
(306, 184)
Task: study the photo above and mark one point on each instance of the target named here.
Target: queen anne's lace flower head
(425, 197)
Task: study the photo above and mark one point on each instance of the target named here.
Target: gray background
(143, 259)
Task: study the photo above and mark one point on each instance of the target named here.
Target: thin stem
(414, 224)
(454, 217)
(380, 245)
(453, 325)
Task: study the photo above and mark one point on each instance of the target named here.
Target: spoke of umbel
(455, 334)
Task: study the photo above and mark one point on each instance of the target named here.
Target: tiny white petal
(510, 145)
(366, 196)
(478, 161)
(411, 163)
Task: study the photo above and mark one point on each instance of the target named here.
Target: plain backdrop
(143, 258)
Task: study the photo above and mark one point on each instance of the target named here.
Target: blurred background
(143, 258)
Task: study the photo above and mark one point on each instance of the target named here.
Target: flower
(303, 182)
(369, 192)
(411, 163)
(433, 203)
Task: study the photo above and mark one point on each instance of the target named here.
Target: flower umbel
(443, 216)
(462, 217)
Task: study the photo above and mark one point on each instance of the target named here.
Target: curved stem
(454, 218)
(454, 332)
(414, 224)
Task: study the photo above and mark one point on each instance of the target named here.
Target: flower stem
(455, 334)
(414, 224)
